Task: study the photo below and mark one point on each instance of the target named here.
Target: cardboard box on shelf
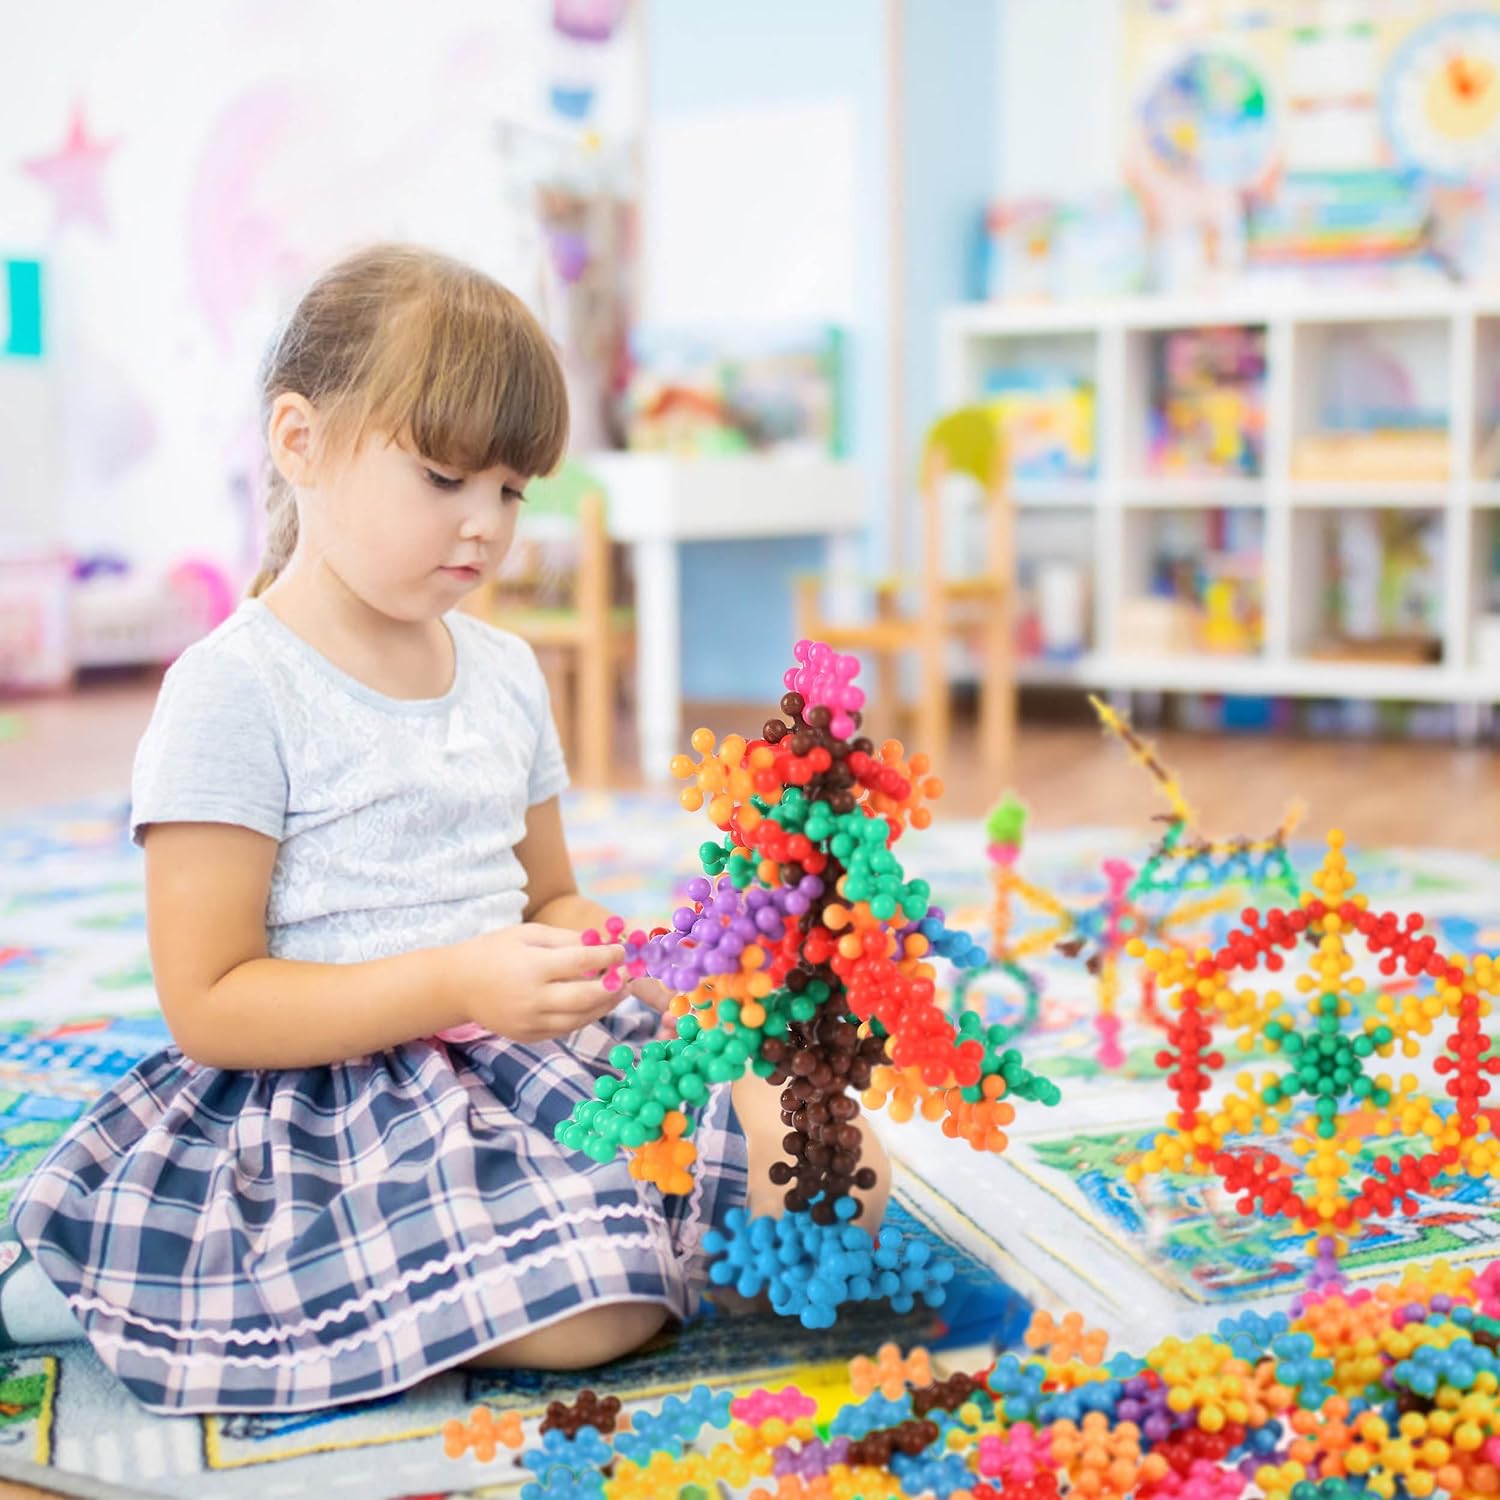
(1393, 456)
(1393, 650)
(1154, 626)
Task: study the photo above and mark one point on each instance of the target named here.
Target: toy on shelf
(1185, 880)
(1223, 627)
(670, 417)
(1205, 584)
(737, 390)
(1389, 1391)
(1043, 249)
(1294, 1142)
(1340, 219)
(1052, 608)
(805, 954)
(1047, 420)
(1208, 409)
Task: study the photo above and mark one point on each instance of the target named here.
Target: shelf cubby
(1048, 384)
(1367, 586)
(1371, 399)
(1194, 582)
(1431, 356)
(1194, 407)
(1056, 567)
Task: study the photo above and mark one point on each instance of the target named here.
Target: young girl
(364, 928)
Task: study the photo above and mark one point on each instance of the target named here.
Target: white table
(657, 501)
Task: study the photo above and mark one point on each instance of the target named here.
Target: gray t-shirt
(397, 818)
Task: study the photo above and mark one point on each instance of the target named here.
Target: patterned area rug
(77, 1009)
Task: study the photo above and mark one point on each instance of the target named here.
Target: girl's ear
(289, 436)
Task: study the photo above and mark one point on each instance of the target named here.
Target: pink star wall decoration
(73, 174)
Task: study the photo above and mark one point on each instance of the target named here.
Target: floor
(64, 748)
(1068, 773)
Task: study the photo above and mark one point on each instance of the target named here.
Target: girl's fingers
(651, 991)
(579, 961)
(544, 935)
(580, 1000)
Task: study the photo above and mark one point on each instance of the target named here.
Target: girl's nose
(483, 521)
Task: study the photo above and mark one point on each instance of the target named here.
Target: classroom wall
(948, 73)
(709, 60)
(1055, 97)
(228, 150)
(211, 214)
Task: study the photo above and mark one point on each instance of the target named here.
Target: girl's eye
(509, 494)
(442, 481)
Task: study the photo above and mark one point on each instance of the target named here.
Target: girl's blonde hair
(408, 342)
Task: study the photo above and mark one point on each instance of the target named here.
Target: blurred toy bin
(35, 653)
(60, 615)
(122, 617)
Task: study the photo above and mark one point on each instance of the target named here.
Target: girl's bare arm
(551, 886)
(229, 1005)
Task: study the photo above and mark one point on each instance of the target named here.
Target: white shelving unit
(1109, 344)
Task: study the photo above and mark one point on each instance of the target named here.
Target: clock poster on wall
(1312, 133)
(1441, 102)
(1206, 118)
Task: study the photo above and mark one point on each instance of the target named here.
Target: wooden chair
(581, 640)
(977, 607)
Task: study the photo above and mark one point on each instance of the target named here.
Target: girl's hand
(655, 994)
(652, 991)
(531, 982)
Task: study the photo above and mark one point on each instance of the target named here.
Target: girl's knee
(594, 1336)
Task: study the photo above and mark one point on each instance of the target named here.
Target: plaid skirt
(282, 1240)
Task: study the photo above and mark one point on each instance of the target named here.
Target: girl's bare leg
(758, 1105)
(600, 1334)
(592, 1337)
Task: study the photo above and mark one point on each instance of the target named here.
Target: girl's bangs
(471, 386)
